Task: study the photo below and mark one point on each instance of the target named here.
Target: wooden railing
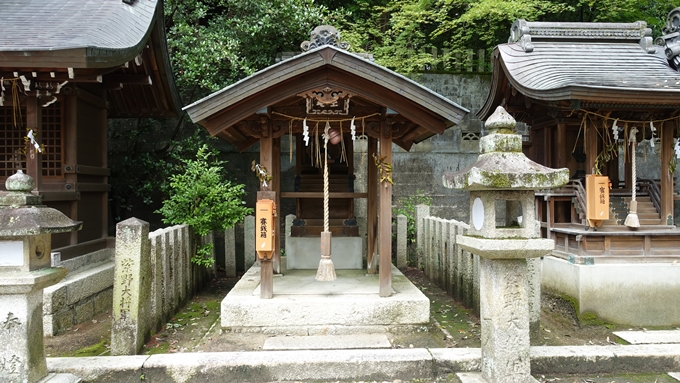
(652, 189)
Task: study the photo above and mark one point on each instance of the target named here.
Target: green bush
(202, 198)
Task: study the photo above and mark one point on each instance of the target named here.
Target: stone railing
(154, 277)
(443, 261)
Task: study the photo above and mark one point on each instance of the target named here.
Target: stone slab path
(650, 337)
(327, 342)
(675, 375)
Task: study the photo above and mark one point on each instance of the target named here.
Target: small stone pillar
(132, 286)
(26, 228)
(503, 176)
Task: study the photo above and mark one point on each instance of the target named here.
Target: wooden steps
(646, 212)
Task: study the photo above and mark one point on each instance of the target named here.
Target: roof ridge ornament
(525, 33)
(671, 38)
(324, 35)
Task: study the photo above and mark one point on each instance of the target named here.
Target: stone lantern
(26, 227)
(503, 178)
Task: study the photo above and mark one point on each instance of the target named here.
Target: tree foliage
(215, 43)
(403, 33)
(202, 198)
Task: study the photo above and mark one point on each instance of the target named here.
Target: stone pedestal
(504, 312)
(22, 356)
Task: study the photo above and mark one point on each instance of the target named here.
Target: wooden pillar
(70, 144)
(667, 153)
(276, 187)
(371, 208)
(547, 147)
(385, 229)
(267, 161)
(591, 148)
(33, 157)
(561, 146)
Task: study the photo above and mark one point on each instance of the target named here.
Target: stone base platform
(303, 306)
(476, 377)
(651, 288)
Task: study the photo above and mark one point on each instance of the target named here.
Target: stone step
(650, 337)
(327, 342)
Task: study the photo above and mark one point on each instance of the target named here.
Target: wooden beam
(667, 153)
(128, 79)
(371, 209)
(385, 230)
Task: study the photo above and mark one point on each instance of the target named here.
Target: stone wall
(85, 292)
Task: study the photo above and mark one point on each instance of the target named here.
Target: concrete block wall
(87, 290)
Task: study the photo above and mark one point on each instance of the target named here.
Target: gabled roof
(590, 62)
(120, 45)
(426, 112)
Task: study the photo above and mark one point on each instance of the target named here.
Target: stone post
(26, 228)
(249, 241)
(503, 175)
(402, 234)
(131, 287)
(422, 211)
(230, 252)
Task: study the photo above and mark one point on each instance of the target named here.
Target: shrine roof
(75, 33)
(424, 111)
(591, 62)
(118, 45)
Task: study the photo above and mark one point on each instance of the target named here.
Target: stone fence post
(249, 241)
(132, 287)
(230, 252)
(402, 236)
(422, 212)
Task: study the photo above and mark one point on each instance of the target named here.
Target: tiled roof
(96, 31)
(562, 70)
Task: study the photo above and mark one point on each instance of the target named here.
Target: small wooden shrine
(328, 87)
(590, 92)
(66, 67)
(597, 97)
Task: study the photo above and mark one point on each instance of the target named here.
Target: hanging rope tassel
(632, 220)
(326, 271)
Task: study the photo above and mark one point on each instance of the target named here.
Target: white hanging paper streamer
(305, 131)
(615, 130)
(27, 83)
(54, 99)
(353, 129)
(677, 148)
(631, 136)
(31, 138)
(59, 86)
(2, 91)
(264, 179)
(653, 129)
